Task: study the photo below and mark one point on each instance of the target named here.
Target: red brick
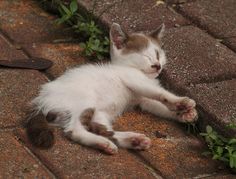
(70, 160)
(142, 15)
(178, 155)
(64, 56)
(8, 51)
(25, 22)
(16, 162)
(17, 88)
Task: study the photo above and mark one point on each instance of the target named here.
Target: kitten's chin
(153, 75)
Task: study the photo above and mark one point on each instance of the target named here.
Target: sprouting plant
(221, 148)
(96, 44)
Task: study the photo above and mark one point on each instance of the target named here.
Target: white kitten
(85, 101)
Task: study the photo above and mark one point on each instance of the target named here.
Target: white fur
(110, 89)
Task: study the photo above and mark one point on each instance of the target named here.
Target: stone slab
(195, 57)
(142, 15)
(16, 162)
(17, 88)
(25, 22)
(178, 154)
(218, 101)
(63, 56)
(70, 160)
(218, 17)
(8, 51)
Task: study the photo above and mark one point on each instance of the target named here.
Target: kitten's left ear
(117, 36)
(159, 32)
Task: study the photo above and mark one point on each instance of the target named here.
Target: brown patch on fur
(156, 41)
(39, 132)
(135, 43)
(51, 116)
(86, 117)
(94, 127)
(100, 129)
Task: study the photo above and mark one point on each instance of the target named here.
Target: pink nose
(157, 66)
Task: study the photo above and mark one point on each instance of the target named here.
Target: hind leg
(132, 140)
(101, 125)
(79, 134)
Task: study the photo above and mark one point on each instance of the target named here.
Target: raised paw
(139, 142)
(108, 148)
(187, 116)
(181, 105)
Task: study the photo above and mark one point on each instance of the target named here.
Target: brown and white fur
(85, 101)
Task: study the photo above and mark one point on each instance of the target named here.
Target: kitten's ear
(159, 32)
(117, 36)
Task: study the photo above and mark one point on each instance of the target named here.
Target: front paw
(187, 116)
(183, 104)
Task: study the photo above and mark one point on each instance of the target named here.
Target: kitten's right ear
(118, 36)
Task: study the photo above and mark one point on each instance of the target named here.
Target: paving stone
(16, 162)
(195, 57)
(178, 155)
(142, 15)
(218, 101)
(218, 17)
(64, 56)
(8, 51)
(25, 22)
(17, 88)
(69, 160)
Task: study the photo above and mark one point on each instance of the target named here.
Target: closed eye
(157, 55)
(149, 58)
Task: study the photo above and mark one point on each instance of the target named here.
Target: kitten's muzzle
(156, 66)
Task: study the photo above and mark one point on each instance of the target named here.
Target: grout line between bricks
(35, 157)
(10, 41)
(155, 172)
(197, 24)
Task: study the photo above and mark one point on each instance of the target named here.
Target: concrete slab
(142, 15)
(218, 17)
(195, 57)
(69, 160)
(16, 162)
(17, 88)
(218, 101)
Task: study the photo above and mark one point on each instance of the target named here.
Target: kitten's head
(138, 50)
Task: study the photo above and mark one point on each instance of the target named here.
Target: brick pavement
(199, 66)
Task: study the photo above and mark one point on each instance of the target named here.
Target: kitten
(85, 101)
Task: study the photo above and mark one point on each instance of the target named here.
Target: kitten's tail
(39, 132)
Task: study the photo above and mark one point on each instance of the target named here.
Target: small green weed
(95, 43)
(221, 148)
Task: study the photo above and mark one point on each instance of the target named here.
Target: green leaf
(215, 157)
(231, 162)
(65, 9)
(232, 141)
(219, 150)
(209, 129)
(73, 6)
